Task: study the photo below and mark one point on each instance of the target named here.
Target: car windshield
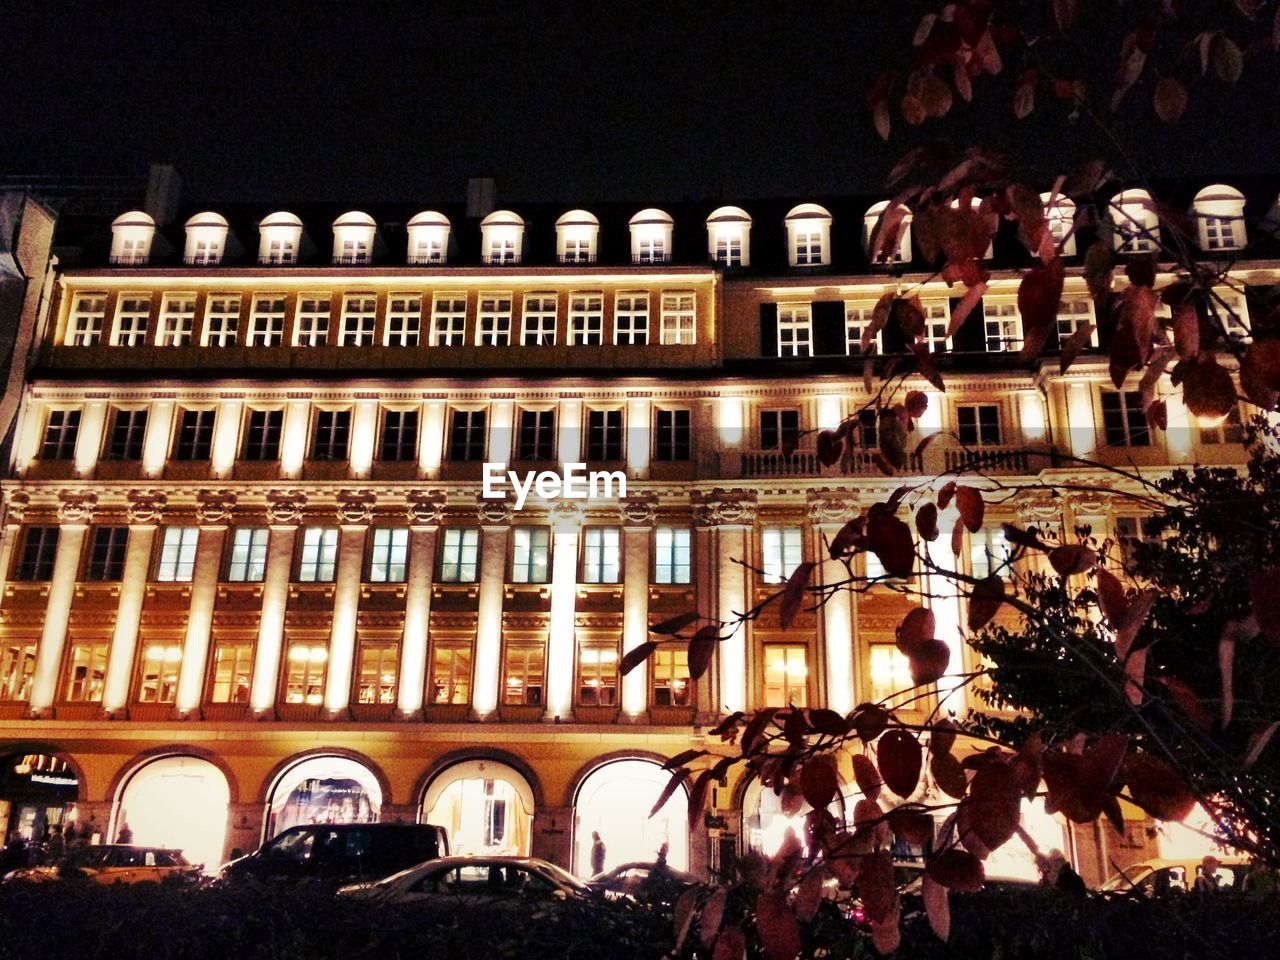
(89, 857)
(565, 877)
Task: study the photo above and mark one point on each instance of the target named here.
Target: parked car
(339, 853)
(460, 882)
(1157, 876)
(641, 880)
(113, 863)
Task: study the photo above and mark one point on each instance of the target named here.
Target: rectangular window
(1219, 233)
(61, 430)
(808, 248)
(266, 321)
(221, 320)
(376, 668)
(728, 249)
(672, 555)
(530, 554)
(17, 667)
(978, 424)
(522, 673)
(178, 555)
(671, 686)
(537, 435)
(39, 548)
(795, 330)
(318, 561)
(459, 555)
(779, 428)
(782, 551)
(651, 249)
(195, 435)
(86, 671)
(304, 672)
(177, 320)
(1072, 314)
(586, 319)
(604, 435)
(448, 320)
(493, 320)
(1003, 326)
(158, 673)
(312, 326)
(988, 553)
(602, 555)
(353, 252)
(88, 312)
(262, 435)
(857, 317)
(539, 325)
(232, 672)
(404, 319)
(671, 435)
(678, 316)
(389, 560)
(207, 251)
(128, 427)
(1230, 310)
(578, 250)
(890, 673)
(427, 250)
(631, 319)
(466, 436)
(248, 563)
(786, 675)
(107, 549)
(937, 318)
(500, 250)
(399, 435)
(281, 251)
(359, 317)
(1230, 430)
(598, 674)
(133, 313)
(450, 673)
(332, 437)
(1123, 419)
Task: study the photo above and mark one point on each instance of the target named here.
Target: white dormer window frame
(651, 232)
(427, 250)
(311, 320)
(577, 237)
(177, 319)
(133, 318)
(279, 237)
(359, 319)
(353, 236)
(872, 218)
(1002, 325)
(206, 240)
(502, 238)
(795, 330)
(729, 237)
(1134, 222)
(88, 315)
(131, 238)
(1219, 215)
(493, 319)
(808, 236)
(1059, 219)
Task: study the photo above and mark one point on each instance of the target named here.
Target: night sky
(276, 101)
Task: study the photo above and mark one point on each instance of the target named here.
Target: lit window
(248, 555)
(262, 435)
(266, 321)
(332, 437)
(459, 552)
(493, 320)
(604, 435)
(728, 249)
(651, 249)
(1003, 326)
(304, 673)
(501, 249)
(17, 668)
(133, 313)
(1123, 419)
(404, 319)
(177, 320)
(376, 665)
(86, 671)
(586, 319)
(531, 548)
(729, 237)
(206, 252)
(428, 238)
(1219, 211)
(389, 561)
(1060, 217)
(937, 318)
(131, 235)
(427, 250)
(672, 555)
(795, 330)
(399, 435)
(1072, 314)
(537, 435)
(178, 555)
(1230, 310)
(221, 321)
(466, 436)
(107, 549)
(978, 424)
(782, 552)
(651, 231)
(88, 311)
(282, 251)
(891, 250)
(786, 675)
(601, 555)
(319, 558)
(359, 317)
(857, 317)
(206, 239)
(671, 686)
(631, 319)
(279, 235)
(523, 672)
(598, 674)
(989, 553)
(671, 440)
(808, 247)
(779, 428)
(578, 250)
(890, 673)
(61, 430)
(312, 328)
(195, 434)
(1134, 221)
(448, 320)
(128, 427)
(158, 682)
(39, 548)
(450, 673)
(678, 315)
(539, 325)
(232, 671)
(1230, 430)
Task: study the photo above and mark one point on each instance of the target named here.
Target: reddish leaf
(1128, 625)
(869, 720)
(876, 886)
(848, 536)
(956, 870)
(1158, 415)
(942, 737)
(927, 520)
(701, 648)
(900, 760)
(1024, 538)
(828, 722)
(793, 593)
(1258, 742)
(926, 367)
(1158, 788)
(698, 795)
(712, 915)
(971, 506)
(1207, 387)
(1186, 331)
(677, 777)
(866, 776)
(818, 781)
(777, 926)
(985, 602)
(1099, 270)
(1264, 596)
(1185, 698)
(972, 297)
(636, 656)
(1111, 598)
(929, 661)
(755, 728)
(809, 895)
(917, 403)
(923, 445)
(1170, 99)
(992, 811)
(913, 826)
(949, 775)
(830, 446)
(682, 758)
(945, 493)
(1072, 559)
(890, 540)
(1039, 295)
(957, 538)
(879, 317)
(886, 934)
(682, 916)
(674, 625)
(937, 907)
(918, 626)
(1080, 338)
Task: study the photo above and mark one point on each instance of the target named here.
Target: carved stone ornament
(215, 508)
(637, 512)
(1038, 509)
(566, 517)
(284, 509)
(493, 513)
(425, 507)
(17, 507)
(733, 508)
(356, 507)
(831, 507)
(76, 507)
(1090, 503)
(146, 506)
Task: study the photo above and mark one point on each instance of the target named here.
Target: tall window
(604, 435)
(133, 313)
(671, 686)
(786, 675)
(1003, 326)
(782, 552)
(1123, 419)
(795, 330)
(107, 550)
(39, 548)
(376, 666)
(61, 430)
(493, 320)
(602, 555)
(86, 671)
(221, 320)
(248, 562)
(530, 553)
(88, 311)
(158, 673)
(857, 317)
(937, 318)
(404, 319)
(195, 435)
(890, 672)
(450, 672)
(598, 674)
(672, 555)
(671, 435)
(500, 250)
(262, 434)
(17, 668)
(266, 321)
(318, 562)
(427, 250)
(177, 320)
(522, 673)
(978, 424)
(578, 250)
(539, 325)
(466, 436)
(459, 555)
(448, 320)
(312, 328)
(779, 428)
(128, 427)
(399, 435)
(631, 318)
(537, 435)
(1072, 314)
(232, 671)
(354, 251)
(332, 435)
(586, 319)
(808, 247)
(359, 317)
(304, 673)
(389, 559)
(178, 555)
(678, 316)
(989, 553)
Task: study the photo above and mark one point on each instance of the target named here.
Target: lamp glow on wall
(828, 413)
(1031, 413)
(930, 421)
(731, 420)
(1084, 437)
(1178, 435)
(293, 446)
(560, 643)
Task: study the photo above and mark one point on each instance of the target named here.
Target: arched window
(485, 805)
(131, 236)
(729, 237)
(808, 236)
(1060, 218)
(890, 252)
(279, 236)
(614, 800)
(1219, 214)
(1135, 226)
(353, 238)
(502, 237)
(428, 238)
(323, 789)
(577, 236)
(206, 239)
(179, 802)
(651, 231)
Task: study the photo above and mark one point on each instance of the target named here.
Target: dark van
(341, 852)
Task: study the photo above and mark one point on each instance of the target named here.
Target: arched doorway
(614, 800)
(323, 789)
(37, 792)
(765, 824)
(178, 802)
(485, 805)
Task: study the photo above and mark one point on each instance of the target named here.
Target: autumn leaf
(809, 894)
(973, 295)
(866, 776)
(1158, 788)
(779, 931)
(712, 915)
(849, 535)
(677, 778)
(879, 317)
(916, 403)
(869, 720)
(674, 625)
(890, 540)
(793, 593)
(948, 775)
(1260, 373)
(971, 506)
(818, 781)
(1072, 559)
(991, 812)
(900, 759)
(830, 446)
(1080, 338)
(937, 907)
(636, 656)
(701, 648)
(985, 602)
(956, 870)
(913, 826)
(1207, 388)
(917, 626)
(927, 522)
(1170, 99)
(828, 722)
(1039, 295)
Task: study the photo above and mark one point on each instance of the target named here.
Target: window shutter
(972, 335)
(828, 328)
(768, 329)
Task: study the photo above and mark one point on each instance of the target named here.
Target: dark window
(399, 435)
(195, 435)
(865, 434)
(779, 428)
(332, 435)
(1124, 420)
(106, 553)
(537, 435)
(978, 424)
(127, 430)
(60, 432)
(604, 435)
(38, 550)
(262, 435)
(466, 435)
(672, 435)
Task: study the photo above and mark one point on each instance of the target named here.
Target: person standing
(597, 853)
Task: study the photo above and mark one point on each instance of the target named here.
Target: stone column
(75, 511)
(732, 514)
(947, 602)
(93, 419)
(226, 437)
(355, 512)
(284, 514)
(15, 511)
(213, 516)
(637, 516)
(566, 527)
(495, 531)
(828, 512)
(145, 513)
(424, 509)
(155, 443)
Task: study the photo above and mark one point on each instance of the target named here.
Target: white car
(473, 880)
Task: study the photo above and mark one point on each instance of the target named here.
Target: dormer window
(206, 239)
(651, 231)
(131, 236)
(577, 236)
(353, 238)
(502, 237)
(428, 238)
(279, 236)
(1060, 218)
(890, 250)
(1135, 227)
(1219, 214)
(729, 237)
(808, 236)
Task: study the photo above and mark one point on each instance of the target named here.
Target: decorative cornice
(425, 507)
(1038, 508)
(727, 508)
(832, 507)
(146, 506)
(17, 507)
(638, 511)
(215, 507)
(356, 507)
(565, 516)
(1090, 503)
(285, 509)
(74, 507)
(493, 513)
